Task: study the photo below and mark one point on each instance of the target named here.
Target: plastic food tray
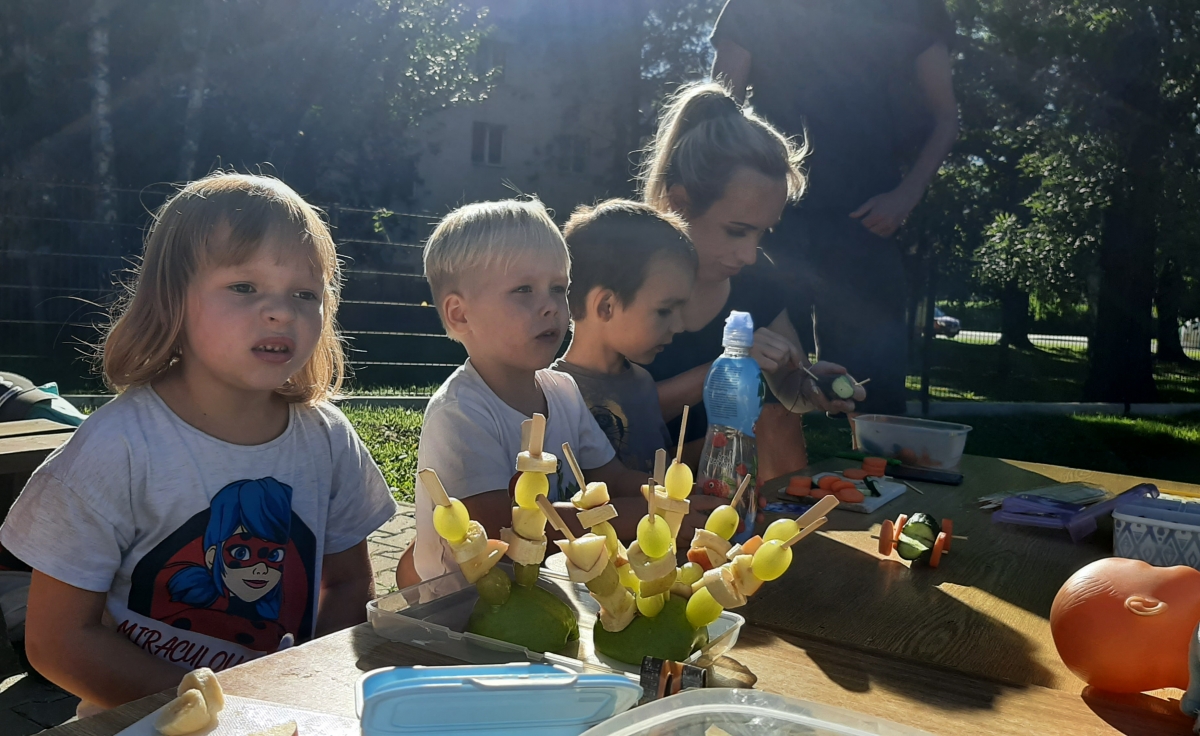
(433, 616)
(921, 443)
(1161, 531)
(745, 713)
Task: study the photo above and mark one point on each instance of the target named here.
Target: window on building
(492, 56)
(487, 144)
(571, 153)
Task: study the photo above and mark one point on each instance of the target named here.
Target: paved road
(1078, 342)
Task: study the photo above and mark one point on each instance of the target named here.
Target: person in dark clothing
(843, 74)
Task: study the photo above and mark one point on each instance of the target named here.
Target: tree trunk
(196, 36)
(103, 150)
(1166, 301)
(1121, 367)
(1014, 317)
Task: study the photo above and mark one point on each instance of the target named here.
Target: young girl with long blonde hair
(217, 509)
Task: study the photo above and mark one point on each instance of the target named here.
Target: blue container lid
(519, 698)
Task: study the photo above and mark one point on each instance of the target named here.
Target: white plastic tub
(744, 713)
(921, 443)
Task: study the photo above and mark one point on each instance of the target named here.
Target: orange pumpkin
(1124, 626)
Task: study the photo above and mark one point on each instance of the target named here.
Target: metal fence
(61, 270)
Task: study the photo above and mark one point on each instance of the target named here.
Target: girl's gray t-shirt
(209, 552)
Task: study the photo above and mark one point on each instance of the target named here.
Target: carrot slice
(948, 527)
(849, 494)
(799, 481)
(886, 538)
(751, 545)
(699, 556)
(901, 520)
(798, 491)
(939, 548)
(841, 484)
(820, 493)
(854, 474)
(826, 482)
(874, 461)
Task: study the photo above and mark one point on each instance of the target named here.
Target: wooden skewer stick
(570, 456)
(805, 531)
(810, 373)
(556, 521)
(650, 501)
(741, 489)
(660, 466)
(862, 383)
(819, 509)
(526, 428)
(434, 487)
(537, 435)
(682, 433)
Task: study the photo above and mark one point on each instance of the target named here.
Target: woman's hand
(800, 394)
(774, 353)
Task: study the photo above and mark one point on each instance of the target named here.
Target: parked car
(944, 324)
(1189, 334)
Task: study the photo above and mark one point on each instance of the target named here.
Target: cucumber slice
(923, 527)
(911, 548)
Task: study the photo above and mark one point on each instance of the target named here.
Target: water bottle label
(733, 394)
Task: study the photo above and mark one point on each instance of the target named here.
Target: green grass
(1162, 447)
(391, 435)
(962, 371)
(1166, 447)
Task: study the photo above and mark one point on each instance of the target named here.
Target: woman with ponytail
(729, 174)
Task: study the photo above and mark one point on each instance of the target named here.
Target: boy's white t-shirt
(210, 552)
(471, 438)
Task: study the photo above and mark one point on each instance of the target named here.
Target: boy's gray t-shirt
(626, 407)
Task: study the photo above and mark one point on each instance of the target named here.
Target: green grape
(451, 521)
(525, 575)
(771, 560)
(679, 481)
(702, 609)
(494, 587)
(529, 487)
(628, 578)
(654, 536)
(690, 573)
(606, 530)
(650, 607)
(723, 522)
(782, 530)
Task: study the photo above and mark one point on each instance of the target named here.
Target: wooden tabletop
(321, 676)
(24, 444)
(983, 611)
(965, 648)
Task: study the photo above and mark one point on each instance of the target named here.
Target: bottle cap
(739, 330)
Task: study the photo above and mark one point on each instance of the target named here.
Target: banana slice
(705, 539)
(474, 545)
(593, 516)
(204, 680)
(615, 621)
(543, 463)
(186, 714)
(646, 568)
(523, 551)
(651, 588)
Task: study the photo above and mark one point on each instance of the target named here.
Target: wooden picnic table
(962, 649)
(23, 446)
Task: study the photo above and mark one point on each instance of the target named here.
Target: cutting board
(888, 490)
(243, 716)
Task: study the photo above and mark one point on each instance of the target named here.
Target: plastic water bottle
(733, 397)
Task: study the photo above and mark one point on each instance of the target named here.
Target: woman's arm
(686, 389)
(346, 585)
(66, 641)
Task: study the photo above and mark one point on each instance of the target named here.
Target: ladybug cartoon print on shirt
(241, 571)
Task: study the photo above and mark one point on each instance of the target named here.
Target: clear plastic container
(744, 713)
(433, 616)
(920, 443)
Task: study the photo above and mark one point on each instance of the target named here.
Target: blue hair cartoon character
(238, 592)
